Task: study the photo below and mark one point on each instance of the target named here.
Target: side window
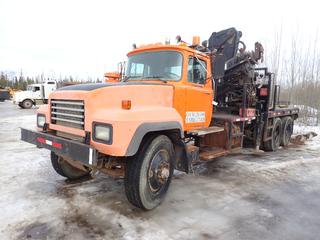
(36, 89)
(197, 71)
(136, 69)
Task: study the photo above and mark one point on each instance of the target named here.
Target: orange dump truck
(177, 105)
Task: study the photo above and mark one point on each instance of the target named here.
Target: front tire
(65, 169)
(27, 104)
(148, 174)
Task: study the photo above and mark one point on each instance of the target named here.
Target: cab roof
(159, 46)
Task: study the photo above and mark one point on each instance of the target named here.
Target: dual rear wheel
(280, 134)
(287, 130)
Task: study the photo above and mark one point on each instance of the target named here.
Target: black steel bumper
(64, 147)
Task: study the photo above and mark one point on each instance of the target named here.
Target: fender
(145, 128)
(129, 127)
(45, 110)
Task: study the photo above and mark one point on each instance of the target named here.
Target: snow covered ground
(243, 196)
(308, 115)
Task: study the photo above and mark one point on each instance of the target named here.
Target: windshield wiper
(161, 78)
(126, 78)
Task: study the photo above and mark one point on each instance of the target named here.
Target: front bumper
(63, 147)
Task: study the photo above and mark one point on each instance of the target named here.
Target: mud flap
(186, 155)
(192, 155)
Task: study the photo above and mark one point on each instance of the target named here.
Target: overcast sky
(88, 38)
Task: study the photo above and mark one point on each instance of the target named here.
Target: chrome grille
(70, 136)
(69, 113)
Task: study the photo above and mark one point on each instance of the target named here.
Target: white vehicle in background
(35, 94)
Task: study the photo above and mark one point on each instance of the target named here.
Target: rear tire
(287, 130)
(27, 104)
(65, 169)
(148, 173)
(273, 144)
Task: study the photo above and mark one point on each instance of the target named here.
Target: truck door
(199, 94)
(49, 87)
(36, 92)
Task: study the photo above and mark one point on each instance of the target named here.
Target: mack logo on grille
(69, 113)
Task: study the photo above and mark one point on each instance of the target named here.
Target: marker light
(126, 104)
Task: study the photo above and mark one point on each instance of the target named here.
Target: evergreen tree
(3, 80)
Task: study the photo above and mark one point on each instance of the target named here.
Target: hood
(18, 96)
(94, 86)
(110, 95)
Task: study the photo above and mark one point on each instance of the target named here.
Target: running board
(205, 131)
(212, 153)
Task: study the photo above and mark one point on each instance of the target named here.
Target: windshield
(29, 88)
(163, 65)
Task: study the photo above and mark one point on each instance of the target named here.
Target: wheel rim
(159, 171)
(288, 131)
(27, 104)
(277, 135)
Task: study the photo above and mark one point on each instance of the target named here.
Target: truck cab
(35, 94)
(186, 70)
(169, 111)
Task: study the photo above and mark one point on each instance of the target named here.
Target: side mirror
(218, 65)
(112, 77)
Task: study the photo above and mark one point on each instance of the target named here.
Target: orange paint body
(154, 102)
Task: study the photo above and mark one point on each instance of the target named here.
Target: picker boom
(237, 78)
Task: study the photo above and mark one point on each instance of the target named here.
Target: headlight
(102, 132)
(41, 120)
